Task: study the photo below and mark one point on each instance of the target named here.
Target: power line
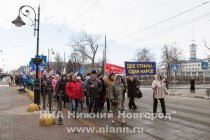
(83, 13)
(166, 30)
(87, 1)
(59, 30)
(158, 23)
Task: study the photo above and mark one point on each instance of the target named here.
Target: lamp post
(49, 61)
(19, 22)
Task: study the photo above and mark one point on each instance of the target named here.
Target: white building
(191, 67)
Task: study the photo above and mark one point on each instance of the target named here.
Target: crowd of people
(95, 91)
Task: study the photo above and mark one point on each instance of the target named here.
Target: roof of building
(193, 60)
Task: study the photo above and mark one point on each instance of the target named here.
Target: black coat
(192, 84)
(132, 89)
(103, 88)
(61, 86)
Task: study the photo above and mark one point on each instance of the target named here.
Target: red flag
(110, 68)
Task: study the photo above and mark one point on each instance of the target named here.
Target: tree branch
(206, 45)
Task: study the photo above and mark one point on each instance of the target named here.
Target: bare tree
(170, 55)
(58, 62)
(144, 55)
(69, 65)
(206, 45)
(76, 60)
(86, 44)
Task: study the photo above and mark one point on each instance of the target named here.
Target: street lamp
(49, 61)
(19, 22)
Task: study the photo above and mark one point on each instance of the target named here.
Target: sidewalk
(199, 93)
(18, 124)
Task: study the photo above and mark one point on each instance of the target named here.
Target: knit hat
(93, 72)
(99, 74)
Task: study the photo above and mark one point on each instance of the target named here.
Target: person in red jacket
(75, 93)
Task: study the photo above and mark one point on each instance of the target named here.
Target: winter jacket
(108, 84)
(54, 82)
(61, 86)
(103, 88)
(74, 90)
(159, 89)
(94, 91)
(132, 89)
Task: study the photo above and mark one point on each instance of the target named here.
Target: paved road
(190, 120)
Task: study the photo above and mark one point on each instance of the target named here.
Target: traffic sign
(174, 67)
(204, 65)
(44, 62)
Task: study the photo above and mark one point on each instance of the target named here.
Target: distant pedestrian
(12, 78)
(159, 91)
(192, 85)
(166, 83)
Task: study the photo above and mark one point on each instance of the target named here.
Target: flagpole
(105, 57)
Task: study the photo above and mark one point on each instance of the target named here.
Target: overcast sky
(117, 19)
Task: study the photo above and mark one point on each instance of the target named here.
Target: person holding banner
(159, 92)
(131, 92)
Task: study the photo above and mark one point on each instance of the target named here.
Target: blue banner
(140, 68)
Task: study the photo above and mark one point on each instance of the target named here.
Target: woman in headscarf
(116, 98)
(159, 91)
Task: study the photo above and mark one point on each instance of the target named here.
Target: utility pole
(48, 63)
(64, 62)
(105, 57)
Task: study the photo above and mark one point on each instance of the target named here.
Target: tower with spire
(193, 49)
